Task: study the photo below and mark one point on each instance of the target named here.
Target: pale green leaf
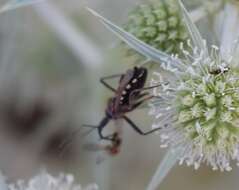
(138, 45)
(194, 32)
(164, 168)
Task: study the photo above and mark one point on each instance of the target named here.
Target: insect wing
(69, 140)
(101, 156)
(132, 82)
(94, 147)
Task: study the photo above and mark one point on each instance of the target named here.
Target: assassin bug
(128, 96)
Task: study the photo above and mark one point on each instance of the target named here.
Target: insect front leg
(136, 95)
(134, 99)
(100, 128)
(103, 81)
(137, 129)
(107, 137)
(135, 102)
(146, 88)
(112, 137)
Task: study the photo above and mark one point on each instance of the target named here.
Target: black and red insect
(129, 95)
(219, 71)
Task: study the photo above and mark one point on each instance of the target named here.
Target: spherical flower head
(159, 24)
(45, 181)
(198, 110)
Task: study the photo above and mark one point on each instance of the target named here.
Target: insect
(111, 149)
(219, 71)
(114, 148)
(129, 95)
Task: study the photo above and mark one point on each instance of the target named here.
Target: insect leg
(100, 129)
(137, 103)
(145, 88)
(132, 98)
(150, 87)
(137, 129)
(103, 81)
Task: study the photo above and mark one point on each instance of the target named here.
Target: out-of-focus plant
(45, 102)
(13, 4)
(78, 42)
(45, 181)
(87, 52)
(32, 113)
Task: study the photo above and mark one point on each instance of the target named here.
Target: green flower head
(159, 24)
(199, 110)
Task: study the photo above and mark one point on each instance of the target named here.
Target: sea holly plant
(199, 110)
(158, 23)
(198, 104)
